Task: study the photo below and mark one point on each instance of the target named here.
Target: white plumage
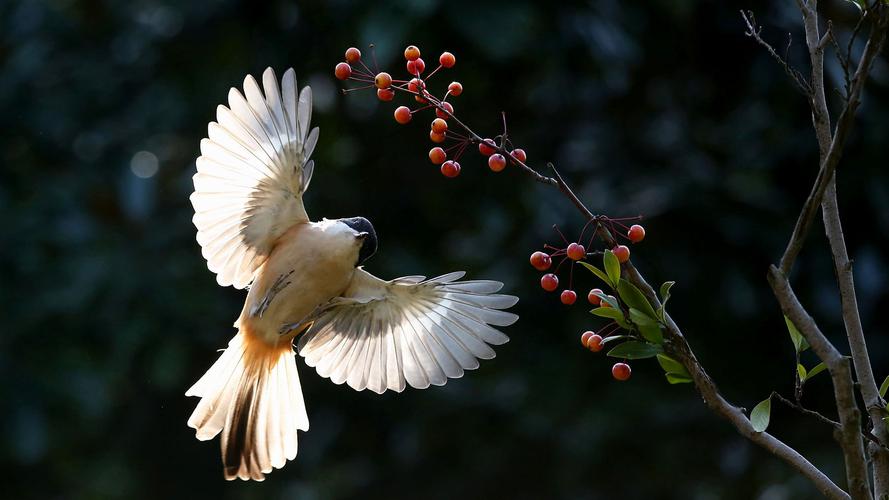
(304, 280)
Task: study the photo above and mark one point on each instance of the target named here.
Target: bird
(307, 289)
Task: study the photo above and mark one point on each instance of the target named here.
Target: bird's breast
(307, 268)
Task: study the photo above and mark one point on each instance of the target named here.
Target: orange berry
(621, 371)
(455, 88)
(439, 126)
(416, 66)
(549, 282)
(519, 154)
(353, 55)
(436, 137)
(342, 71)
(441, 114)
(568, 297)
(541, 261)
(575, 251)
(622, 252)
(382, 80)
(450, 168)
(385, 94)
(411, 52)
(593, 297)
(416, 85)
(594, 343)
(585, 338)
(486, 147)
(402, 114)
(447, 60)
(437, 155)
(496, 162)
(636, 233)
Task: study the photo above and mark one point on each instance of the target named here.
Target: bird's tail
(252, 395)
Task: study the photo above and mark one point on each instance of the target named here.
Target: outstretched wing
(384, 334)
(252, 172)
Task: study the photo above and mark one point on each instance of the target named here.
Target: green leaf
(613, 338)
(635, 350)
(598, 272)
(665, 296)
(799, 342)
(612, 313)
(883, 387)
(634, 298)
(639, 318)
(801, 371)
(761, 414)
(652, 333)
(670, 365)
(820, 367)
(612, 268)
(674, 378)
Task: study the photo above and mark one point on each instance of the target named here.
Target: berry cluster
(445, 128)
(576, 252)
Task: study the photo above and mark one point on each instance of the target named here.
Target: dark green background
(659, 108)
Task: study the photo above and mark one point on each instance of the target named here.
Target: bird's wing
(382, 335)
(253, 170)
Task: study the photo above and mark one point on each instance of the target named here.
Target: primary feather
(253, 170)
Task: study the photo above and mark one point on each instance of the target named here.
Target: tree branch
(841, 374)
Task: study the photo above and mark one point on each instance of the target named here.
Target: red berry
(594, 343)
(411, 52)
(486, 147)
(439, 126)
(568, 297)
(416, 85)
(441, 114)
(455, 88)
(549, 282)
(416, 66)
(447, 60)
(353, 55)
(585, 338)
(636, 233)
(437, 155)
(343, 71)
(519, 154)
(576, 251)
(622, 252)
(385, 94)
(593, 298)
(382, 80)
(496, 162)
(450, 168)
(436, 137)
(402, 114)
(541, 261)
(621, 371)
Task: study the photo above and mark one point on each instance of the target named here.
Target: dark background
(659, 108)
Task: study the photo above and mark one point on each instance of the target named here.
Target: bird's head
(365, 234)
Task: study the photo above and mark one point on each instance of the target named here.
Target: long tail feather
(253, 397)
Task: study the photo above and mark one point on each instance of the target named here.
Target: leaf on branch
(675, 372)
(598, 272)
(761, 414)
(613, 338)
(820, 367)
(612, 313)
(665, 296)
(634, 298)
(801, 372)
(672, 378)
(635, 350)
(799, 342)
(884, 387)
(612, 268)
(639, 318)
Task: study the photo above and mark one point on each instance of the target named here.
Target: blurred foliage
(658, 108)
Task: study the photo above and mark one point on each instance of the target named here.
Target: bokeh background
(658, 108)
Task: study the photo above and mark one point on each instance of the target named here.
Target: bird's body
(311, 263)
(306, 285)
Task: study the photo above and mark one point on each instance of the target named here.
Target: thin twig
(753, 31)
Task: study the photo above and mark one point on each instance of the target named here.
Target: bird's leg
(279, 284)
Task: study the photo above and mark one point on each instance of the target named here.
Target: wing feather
(253, 170)
(385, 335)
